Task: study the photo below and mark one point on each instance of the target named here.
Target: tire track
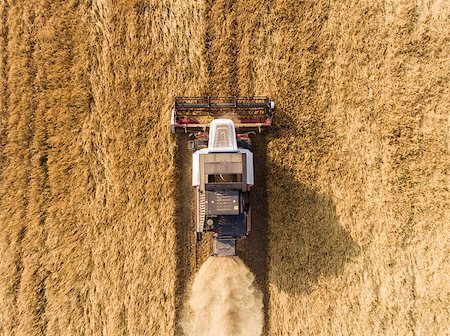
(3, 80)
(31, 297)
(63, 105)
(3, 125)
(15, 191)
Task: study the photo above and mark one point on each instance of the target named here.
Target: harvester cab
(222, 162)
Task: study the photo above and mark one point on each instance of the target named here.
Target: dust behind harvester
(222, 162)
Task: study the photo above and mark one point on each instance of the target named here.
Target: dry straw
(351, 212)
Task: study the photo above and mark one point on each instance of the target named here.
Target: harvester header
(194, 114)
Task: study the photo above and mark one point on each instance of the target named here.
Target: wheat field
(351, 203)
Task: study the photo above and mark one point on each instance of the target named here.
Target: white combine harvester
(222, 163)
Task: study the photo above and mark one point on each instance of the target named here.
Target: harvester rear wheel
(199, 236)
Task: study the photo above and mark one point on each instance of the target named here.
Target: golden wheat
(351, 202)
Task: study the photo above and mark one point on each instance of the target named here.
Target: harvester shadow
(254, 250)
(308, 242)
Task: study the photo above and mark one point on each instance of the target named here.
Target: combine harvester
(222, 162)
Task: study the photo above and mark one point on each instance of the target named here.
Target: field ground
(351, 205)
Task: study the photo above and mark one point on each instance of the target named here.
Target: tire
(244, 144)
(198, 236)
